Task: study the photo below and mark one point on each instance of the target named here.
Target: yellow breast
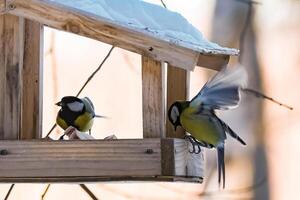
(202, 127)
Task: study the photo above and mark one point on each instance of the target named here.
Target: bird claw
(195, 144)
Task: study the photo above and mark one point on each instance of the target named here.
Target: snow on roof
(150, 19)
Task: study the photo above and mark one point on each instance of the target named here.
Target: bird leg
(195, 144)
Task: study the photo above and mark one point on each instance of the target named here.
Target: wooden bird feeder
(24, 157)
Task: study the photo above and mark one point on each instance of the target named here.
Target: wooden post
(11, 62)
(153, 98)
(177, 89)
(19, 71)
(32, 81)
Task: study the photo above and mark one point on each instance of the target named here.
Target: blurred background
(267, 168)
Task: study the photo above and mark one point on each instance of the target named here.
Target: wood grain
(29, 159)
(96, 160)
(177, 161)
(177, 89)
(32, 77)
(153, 98)
(187, 164)
(94, 26)
(11, 62)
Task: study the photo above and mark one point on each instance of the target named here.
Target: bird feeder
(162, 154)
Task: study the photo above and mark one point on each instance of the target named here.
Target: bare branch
(163, 3)
(45, 192)
(9, 191)
(88, 191)
(261, 95)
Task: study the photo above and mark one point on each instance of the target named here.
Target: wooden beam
(94, 160)
(20, 78)
(153, 98)
(31, 126)
(11, 62)
(84, 23)
(177, 89)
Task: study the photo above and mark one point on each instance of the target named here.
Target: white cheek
(75, 106)
(174, 114)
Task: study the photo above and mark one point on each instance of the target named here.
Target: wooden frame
(97, 160)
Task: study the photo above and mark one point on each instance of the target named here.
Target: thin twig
(95, 72)
(88, 191)
(85, 84)
(9, 191)
(45, 192)
(261, 95)
(163, 3)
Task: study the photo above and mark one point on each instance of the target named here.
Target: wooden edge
(102, 179)
(167, 157)
(96, 27)
(215, 62)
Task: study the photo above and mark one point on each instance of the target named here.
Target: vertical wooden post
(153, 98)
(17, 73)
(31, 126)
(177, 89)
(11, 62)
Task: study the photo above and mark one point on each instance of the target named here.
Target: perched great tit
(76, 112)
(198, 116)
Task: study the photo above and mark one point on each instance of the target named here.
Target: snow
(150, 19)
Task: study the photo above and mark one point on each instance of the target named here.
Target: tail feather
(221, 165)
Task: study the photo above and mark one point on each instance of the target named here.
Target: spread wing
(222, 91)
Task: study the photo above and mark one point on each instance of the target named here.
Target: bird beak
(175, 127)
(101, 116)
(58, 103)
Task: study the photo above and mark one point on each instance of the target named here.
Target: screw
(149, 151)
(3, 152)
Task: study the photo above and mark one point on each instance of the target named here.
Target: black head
(174, 113)
(71, 103)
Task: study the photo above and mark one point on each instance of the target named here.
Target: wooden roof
(84, 23)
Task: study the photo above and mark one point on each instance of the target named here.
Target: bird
(198, 116)
(76, 112)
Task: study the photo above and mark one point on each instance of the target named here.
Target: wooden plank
(153, 98)
(11, 62)
(187, 164)
(96, 27)
(33, 159)
(215, 62)
(177, 89)
(177, 161)
(31, 126)
(96, 160)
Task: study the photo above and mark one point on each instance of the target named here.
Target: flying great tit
(198, 116)
(76, 112)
